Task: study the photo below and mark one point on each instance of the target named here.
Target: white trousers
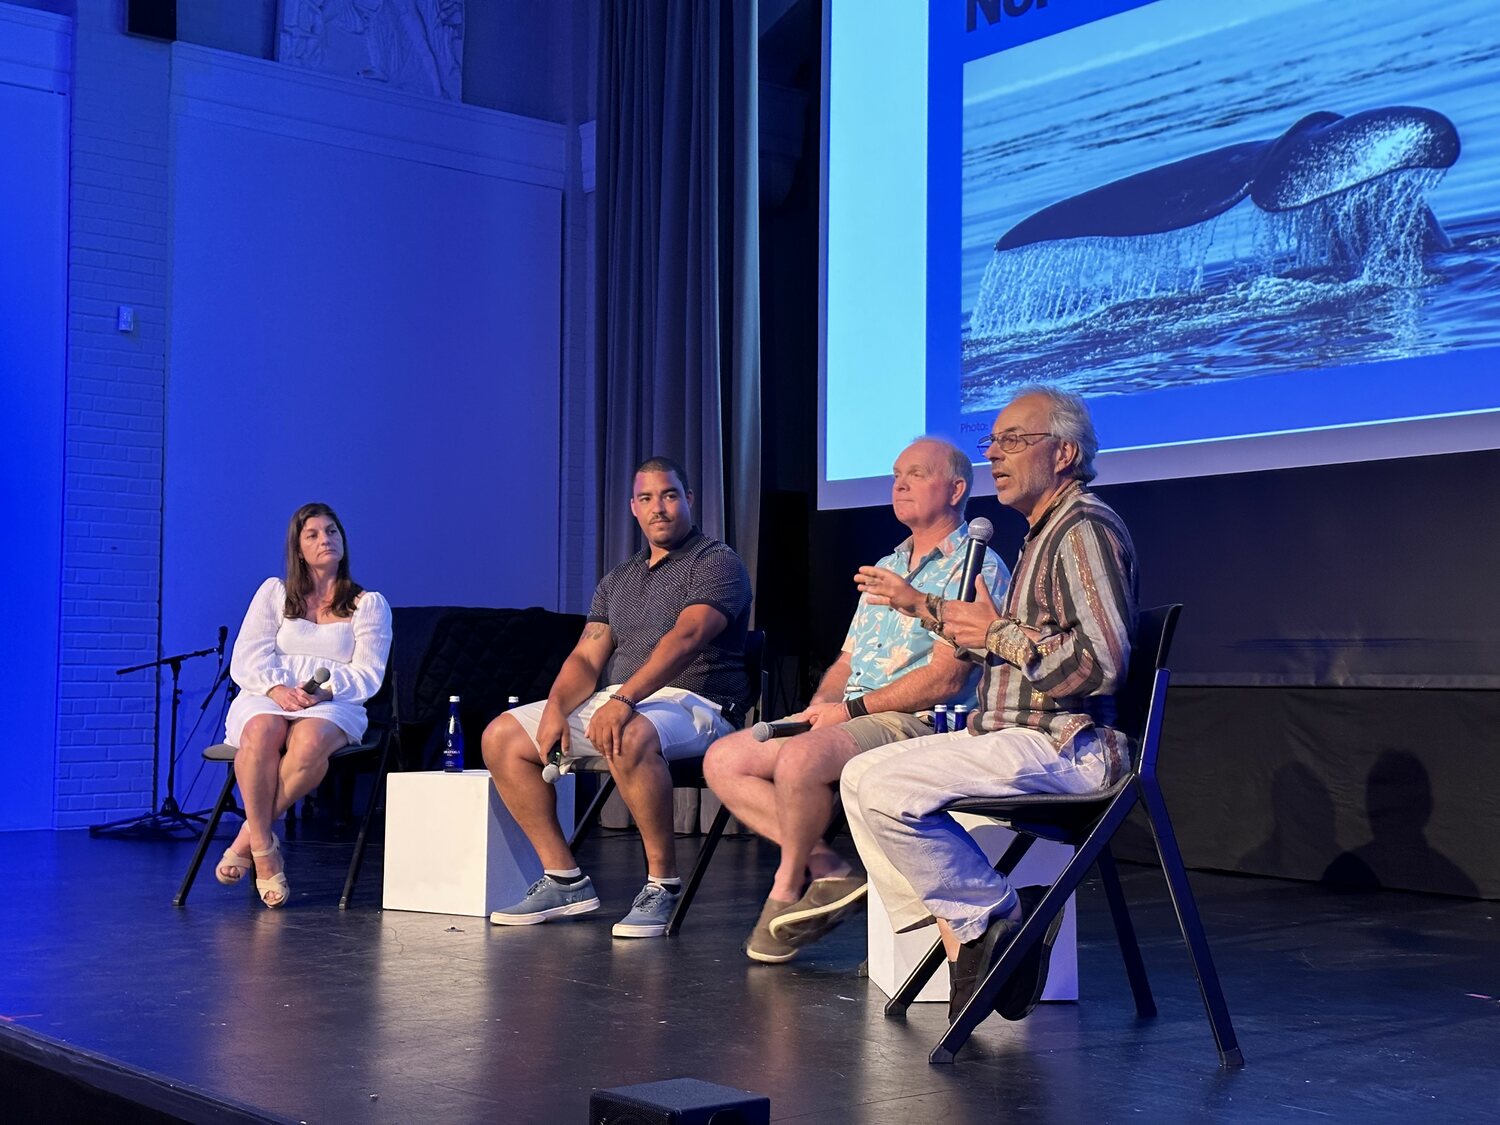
(923, 864)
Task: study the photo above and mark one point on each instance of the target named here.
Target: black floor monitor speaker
(678, 1101)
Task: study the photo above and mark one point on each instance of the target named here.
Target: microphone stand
(231, 689)
(166, 822)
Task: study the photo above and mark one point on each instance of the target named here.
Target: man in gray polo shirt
(659, 673)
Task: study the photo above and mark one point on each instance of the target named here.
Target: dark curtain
(678, 268)
(678, 261)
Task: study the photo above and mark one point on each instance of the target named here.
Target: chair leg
(895, 1007)
(1014, 853)
(590, 816)
(705, 853)
(839, 823)
(1191, 924)
(356, 861)
(1130, 949)
(982, 1002)
(204, 840)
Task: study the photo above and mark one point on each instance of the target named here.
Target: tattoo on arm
(594, 630)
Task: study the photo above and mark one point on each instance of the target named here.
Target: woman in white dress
(317, 619)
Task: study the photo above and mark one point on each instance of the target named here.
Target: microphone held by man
(557, 766)
(981, 531)
(781, 728)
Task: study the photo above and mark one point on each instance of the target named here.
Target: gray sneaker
(649, 913)
(760, 945)
(547, 899)
(824, 904)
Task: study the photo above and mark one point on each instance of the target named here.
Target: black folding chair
(1087, 823)
(381, 735)
(687, 773)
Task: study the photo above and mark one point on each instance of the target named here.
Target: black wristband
(625, 699)
(856, 707)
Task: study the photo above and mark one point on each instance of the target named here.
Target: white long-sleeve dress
(274, 649)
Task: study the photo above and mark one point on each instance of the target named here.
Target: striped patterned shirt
(1075, 583)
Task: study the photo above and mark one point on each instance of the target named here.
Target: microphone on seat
(557, 766)
(781, 728)
(316, 680)
(981, 531)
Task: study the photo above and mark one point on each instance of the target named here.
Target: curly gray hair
(1069, 420)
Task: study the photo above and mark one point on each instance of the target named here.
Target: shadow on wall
(1398, 801)
(1398, 806)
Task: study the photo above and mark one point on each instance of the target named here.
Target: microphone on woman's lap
(316, 680)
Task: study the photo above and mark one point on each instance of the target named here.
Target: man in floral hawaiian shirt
(889, 676)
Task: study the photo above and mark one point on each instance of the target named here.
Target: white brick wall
(119, 250)
(118, 253)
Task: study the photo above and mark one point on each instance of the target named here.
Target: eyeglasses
(1011, 442)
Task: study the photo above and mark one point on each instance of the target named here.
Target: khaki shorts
(885, 727)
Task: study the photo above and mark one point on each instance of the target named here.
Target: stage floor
(1366, 1006)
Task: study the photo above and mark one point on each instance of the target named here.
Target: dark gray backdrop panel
(1391, 788)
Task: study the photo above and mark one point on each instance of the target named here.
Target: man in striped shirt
(1053, 658)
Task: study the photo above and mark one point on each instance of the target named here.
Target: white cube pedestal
(451, 846)
(893, 956)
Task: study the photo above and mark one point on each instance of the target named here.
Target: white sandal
(273, 891)
(232, 858)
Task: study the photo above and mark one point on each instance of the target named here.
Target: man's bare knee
(640, 739)
(505, 740)
(810, 760)
(639, 745)
(727, 758)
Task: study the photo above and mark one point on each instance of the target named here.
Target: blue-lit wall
(339, 293)
(33, 257)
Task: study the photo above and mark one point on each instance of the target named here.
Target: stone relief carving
(415, 45)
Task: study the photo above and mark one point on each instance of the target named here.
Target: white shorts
(686, 724)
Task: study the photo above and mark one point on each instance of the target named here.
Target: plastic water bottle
(940, 719)
(960, 717)
(453, 741)
(512, 702)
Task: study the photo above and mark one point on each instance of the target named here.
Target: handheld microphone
(316, 680)
(782, 728)
(557, 766)
(981, 531)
